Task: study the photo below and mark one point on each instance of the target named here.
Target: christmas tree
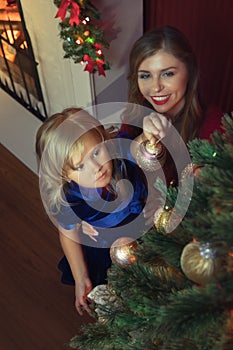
(175, 290)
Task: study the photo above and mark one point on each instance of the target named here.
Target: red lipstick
(160, 100)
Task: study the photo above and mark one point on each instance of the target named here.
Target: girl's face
(162, 80)
(93, 166)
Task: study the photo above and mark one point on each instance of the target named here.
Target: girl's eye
(80, 167)
(96, 152)
(168, 74)
(143, 75)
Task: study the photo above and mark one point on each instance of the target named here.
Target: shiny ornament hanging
(166, 221)
(229, 325)
(105, 300)
(200, 263)
(151, 157)
(229, 261)
(121, 251)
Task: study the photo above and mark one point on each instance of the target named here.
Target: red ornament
(74, 14)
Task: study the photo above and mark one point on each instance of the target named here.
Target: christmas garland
(83, 38)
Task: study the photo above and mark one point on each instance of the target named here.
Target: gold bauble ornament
(121, 251)
(229, 261)
(151, 157)
(229, 325)
(163, 221)
(200, 263)
(104, 300)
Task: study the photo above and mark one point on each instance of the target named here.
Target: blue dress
(112, 218)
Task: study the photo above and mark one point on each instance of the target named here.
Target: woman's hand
(89, 230)
(155, 127)
(82, 288)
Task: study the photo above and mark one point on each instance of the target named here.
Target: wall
(208, 25)
(63, 82)
(17, 130)
(123, 23)
(60, 78)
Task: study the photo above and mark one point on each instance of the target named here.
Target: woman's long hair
(173, 42)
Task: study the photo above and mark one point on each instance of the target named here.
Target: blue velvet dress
(100, 208)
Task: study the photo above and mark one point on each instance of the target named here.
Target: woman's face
(162, 80)
(93, 166)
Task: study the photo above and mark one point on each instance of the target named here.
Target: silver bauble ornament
(121, 251)
(151, 157)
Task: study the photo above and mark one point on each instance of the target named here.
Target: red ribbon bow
(100, 66)
(74, 14)
(90, 64)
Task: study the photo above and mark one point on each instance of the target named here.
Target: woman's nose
(157, 85)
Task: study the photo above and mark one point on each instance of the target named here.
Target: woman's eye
(168, 74)
(80, 167)
(143, 75)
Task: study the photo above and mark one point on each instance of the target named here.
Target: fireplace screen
(18, 68)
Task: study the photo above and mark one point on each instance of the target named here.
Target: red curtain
(209, 26)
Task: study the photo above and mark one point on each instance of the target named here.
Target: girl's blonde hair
(56, 141)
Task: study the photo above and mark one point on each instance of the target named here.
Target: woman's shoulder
(129, 131)
(211, 122)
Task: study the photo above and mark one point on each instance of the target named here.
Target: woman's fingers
(155, 126)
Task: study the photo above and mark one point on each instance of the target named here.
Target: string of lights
(83, 37)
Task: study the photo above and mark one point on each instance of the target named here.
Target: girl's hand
(89, 230)
(155, 127)
(82, 289)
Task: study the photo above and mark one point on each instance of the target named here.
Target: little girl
(90, 193)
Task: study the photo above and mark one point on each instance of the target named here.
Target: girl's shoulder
(73, 202)
(211, 122)
(66, 217)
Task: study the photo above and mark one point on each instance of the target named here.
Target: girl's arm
(74, 254)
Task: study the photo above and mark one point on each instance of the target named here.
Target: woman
(163, 76)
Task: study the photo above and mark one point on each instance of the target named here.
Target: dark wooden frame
(20, 78)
